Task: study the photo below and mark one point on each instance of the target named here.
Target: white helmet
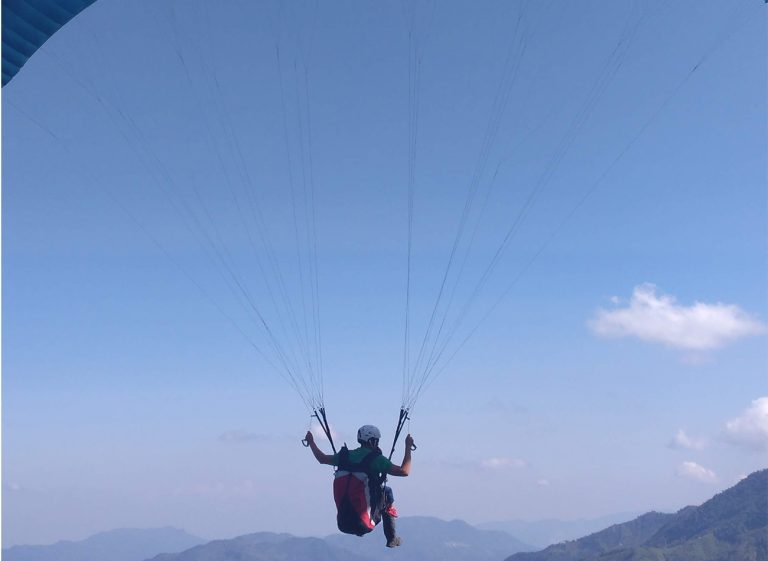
(367, 432)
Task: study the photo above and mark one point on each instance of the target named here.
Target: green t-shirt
(379, 465)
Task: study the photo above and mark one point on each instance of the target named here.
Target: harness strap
(363, 466)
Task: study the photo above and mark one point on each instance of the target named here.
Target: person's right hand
(409, 442)
(310, 437)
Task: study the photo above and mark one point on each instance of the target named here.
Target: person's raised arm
(320, 456)
(405, 468)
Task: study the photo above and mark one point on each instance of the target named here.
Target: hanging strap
(326, 427)
(319, 414)
(403, 417)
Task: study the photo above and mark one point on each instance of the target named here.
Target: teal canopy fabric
(27, 24)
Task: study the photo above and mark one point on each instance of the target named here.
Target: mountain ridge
(121, 544)
(731, 526)
(424, 538)
(545, 532)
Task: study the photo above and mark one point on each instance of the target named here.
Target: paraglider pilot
(362, 498)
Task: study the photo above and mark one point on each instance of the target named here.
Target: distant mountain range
(265, 546)
(541, 533)
(424, 539)
(116, 545)
(432, 539)
(731, 526)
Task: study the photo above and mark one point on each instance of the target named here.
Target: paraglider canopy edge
(27, 24)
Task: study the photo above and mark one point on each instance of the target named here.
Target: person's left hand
(310, 438)
(409, 442)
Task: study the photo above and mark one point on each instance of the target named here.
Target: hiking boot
(394, 542)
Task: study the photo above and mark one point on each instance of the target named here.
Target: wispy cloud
(319, 434)
(240, 436)
(488, 464)
(503, 463)
(692, 470)
(682, 440)
(658, 318)
(750, 429)
(542, 482)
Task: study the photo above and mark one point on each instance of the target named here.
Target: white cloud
(683, 440)
(750, 430)
(658, 318)
(319, 433)
(452, 463)
(692, 470)
(489, 464)
(542, 482)
(503, 463)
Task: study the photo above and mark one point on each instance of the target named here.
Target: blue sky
(622, 372)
